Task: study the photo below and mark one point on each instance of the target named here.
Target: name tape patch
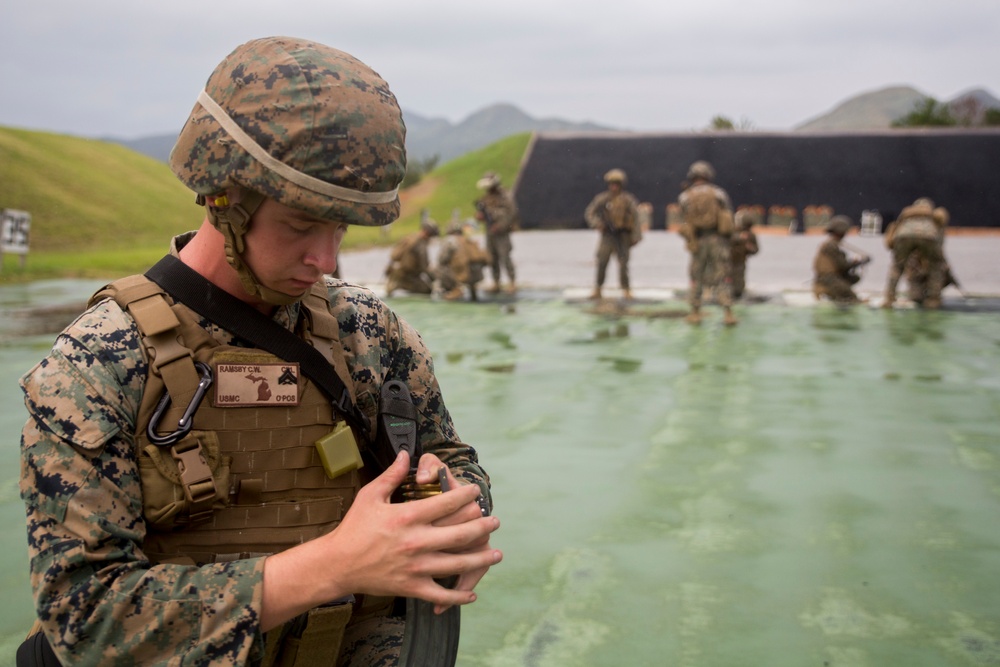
(246, 385)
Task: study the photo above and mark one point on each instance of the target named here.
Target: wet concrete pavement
(816, 486)
(561, 260)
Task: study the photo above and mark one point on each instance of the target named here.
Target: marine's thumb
(394, 475)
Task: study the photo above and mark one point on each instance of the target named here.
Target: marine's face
(289, 250)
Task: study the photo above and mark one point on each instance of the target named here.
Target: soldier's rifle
(608, 228)
(485, 212)
(862, 260)
(949, 278)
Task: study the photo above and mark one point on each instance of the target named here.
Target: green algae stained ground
(814, 487)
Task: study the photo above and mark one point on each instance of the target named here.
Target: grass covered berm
(95, 206)
(102, 210)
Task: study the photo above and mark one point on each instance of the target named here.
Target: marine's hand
(381, 548)
(427, 472)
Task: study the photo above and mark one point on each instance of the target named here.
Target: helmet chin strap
(233, 220)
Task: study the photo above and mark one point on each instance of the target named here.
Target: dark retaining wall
(884, 171)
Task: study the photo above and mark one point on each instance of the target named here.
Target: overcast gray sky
(133, 68)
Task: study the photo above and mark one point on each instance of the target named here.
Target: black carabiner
(187, 419)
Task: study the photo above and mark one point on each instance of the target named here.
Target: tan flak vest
(247, 479)
(704, 213)
(918, 221)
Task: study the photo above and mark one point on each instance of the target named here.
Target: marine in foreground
(199, 495)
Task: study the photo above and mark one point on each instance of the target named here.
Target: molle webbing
(276, 493)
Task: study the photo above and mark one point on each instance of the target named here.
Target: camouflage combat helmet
(743, 220)
(430, 227)
(701, 169)
(307, 125)
(615, 176)
(839, 224)
(490, 180)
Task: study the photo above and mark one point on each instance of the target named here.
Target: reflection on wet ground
(816, 486)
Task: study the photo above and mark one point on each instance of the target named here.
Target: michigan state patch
(256, 384)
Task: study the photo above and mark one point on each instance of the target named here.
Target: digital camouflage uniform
(743, 244)
(497, 210)
(409, 266)
(918, 235)
(917, 276)
(833, 275)
(100, 599)
(460, 264)
(616, 216)
(708, 244)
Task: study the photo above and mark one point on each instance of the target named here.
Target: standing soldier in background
(460, 263)
(707, 227)
(180, 512)
(918, 233)
(496, 209)
(834, 273)
(744, 244)
(615, 214)
(409, 264)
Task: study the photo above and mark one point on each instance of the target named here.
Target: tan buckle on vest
(196, 478)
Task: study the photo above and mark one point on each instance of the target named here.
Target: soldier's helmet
(924, 202)
(490, 180)
(615, 176)
(299, 122)
(456, 227)
(839, 224)
(430, 227)
(701, 169)
(743, 220)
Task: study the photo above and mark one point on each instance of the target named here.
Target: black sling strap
(194, 291)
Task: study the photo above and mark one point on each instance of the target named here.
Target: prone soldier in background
(179, 514)
(615, 214)
(707, 225)
(918, 234)
(498, 212)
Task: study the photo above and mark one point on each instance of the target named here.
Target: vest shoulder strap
(325, 332)
(158, 324)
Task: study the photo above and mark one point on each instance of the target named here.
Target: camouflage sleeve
(593, 213)
(514, 213)
(682, 200)
(831, 260)
(380, 346)
(941, 216)
(723, 197)
(633, 210)
(98, 598)
(506, 213)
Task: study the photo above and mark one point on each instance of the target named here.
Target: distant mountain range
(426, 137)
(876, 110)
(429, 137)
